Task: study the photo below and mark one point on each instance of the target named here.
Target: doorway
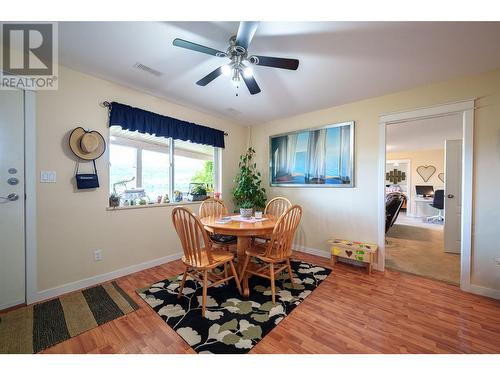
(12, 199)
(465, 111)
(423, 170)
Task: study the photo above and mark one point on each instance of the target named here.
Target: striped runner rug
(33, 328)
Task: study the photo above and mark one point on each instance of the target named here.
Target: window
(155, 171)
(123, 161)
(144, 166)
(193, 163)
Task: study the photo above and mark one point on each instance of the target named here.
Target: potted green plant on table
(246, 209)
(247, 192)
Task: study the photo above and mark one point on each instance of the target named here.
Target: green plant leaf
(247, 182)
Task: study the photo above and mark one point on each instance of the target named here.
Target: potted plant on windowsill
(247, 192)
(114, 200)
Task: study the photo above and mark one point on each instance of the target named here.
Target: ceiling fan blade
(252, 85)
(246, 31)
(196, 47)
(210, 77)
(278, 62)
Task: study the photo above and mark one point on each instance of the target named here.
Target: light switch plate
(48, 176)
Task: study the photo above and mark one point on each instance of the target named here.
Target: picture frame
(315, 157)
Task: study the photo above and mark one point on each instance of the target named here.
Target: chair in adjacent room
(217, 208)
(274, 255)
(393, 204)
(200, 257)
(437, 202)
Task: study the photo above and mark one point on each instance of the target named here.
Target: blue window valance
(136, 119)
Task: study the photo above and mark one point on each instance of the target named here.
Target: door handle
(11, 197)
(450, 196)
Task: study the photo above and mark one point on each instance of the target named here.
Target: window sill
(120, 208)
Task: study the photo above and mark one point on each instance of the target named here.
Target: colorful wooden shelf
(361, 251)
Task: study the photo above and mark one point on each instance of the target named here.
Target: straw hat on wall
(87, 145)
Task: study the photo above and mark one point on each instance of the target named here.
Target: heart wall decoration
(426, 171)
(441, 176)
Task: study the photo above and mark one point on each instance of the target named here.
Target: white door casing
(452, 195)
(12, 237)
(466, 109)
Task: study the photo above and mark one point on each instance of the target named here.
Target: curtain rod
(108, 105)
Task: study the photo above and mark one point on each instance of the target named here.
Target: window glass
(123, 168)
(193, 163)
(155, 166)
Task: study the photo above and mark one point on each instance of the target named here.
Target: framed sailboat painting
(319, 157)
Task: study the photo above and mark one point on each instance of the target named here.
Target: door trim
(466, 109)
(30, 178)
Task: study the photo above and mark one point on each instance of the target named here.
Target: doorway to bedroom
(423, 176)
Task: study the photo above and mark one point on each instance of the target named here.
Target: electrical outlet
(97, 255)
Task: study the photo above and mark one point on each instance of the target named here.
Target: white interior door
(452, 195)
(12, 245)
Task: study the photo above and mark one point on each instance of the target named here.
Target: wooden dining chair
(200, 258)
(213, 207)
(275, 207)
(275, 254)
(217, 208)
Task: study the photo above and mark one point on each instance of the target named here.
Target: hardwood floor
(350, 312)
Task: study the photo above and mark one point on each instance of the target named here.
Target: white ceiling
(428, 134)
(340, 62)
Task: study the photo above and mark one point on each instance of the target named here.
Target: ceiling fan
(241, 64)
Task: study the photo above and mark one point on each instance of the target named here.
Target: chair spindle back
(193, 236)
(280, 246)
(213, 207)
(277, 206)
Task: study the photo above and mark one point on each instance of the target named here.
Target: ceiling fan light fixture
(241, 64)
(235, 80)
(248, 71)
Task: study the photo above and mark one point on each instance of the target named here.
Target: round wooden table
(244, 231)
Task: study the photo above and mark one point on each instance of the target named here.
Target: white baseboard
(483, 291)
(98, 279)
(12, 304)
(311, 250)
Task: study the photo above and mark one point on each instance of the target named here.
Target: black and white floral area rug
(232, 323)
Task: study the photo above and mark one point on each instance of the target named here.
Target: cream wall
(72, 224)
(418, 158)
(352, 213)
